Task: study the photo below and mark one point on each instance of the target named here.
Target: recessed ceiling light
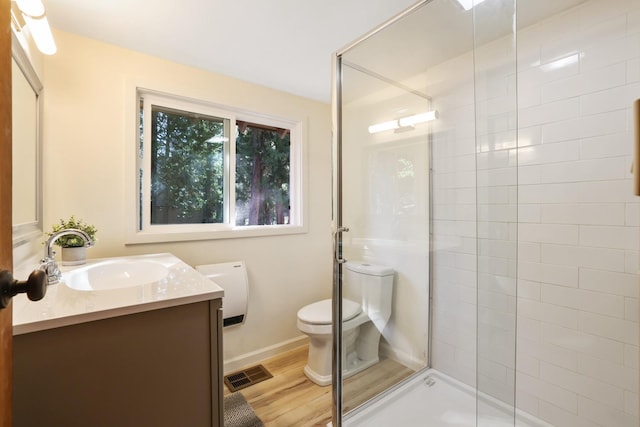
(468, 4)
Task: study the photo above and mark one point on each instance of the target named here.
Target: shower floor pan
(436, 400)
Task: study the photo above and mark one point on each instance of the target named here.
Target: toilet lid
(319, 313)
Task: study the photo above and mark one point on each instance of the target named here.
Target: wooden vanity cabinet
(155, 368)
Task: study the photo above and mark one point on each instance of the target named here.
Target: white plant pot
(74, 256)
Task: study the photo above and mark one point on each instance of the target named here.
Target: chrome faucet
(48, 263)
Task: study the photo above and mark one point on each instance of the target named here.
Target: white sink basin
(114, 274)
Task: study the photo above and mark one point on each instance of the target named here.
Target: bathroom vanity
(146, 351)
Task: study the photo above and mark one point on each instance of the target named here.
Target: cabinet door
(153, 368)
(217, 392)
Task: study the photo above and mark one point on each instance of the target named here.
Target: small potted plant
(74, 251)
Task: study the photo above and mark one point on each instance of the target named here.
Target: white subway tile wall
(568, 205)
(587, 231)
(454, 220)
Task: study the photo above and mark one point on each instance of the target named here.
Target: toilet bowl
(364, 315)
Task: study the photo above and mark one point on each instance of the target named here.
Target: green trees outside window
(187, 168)
(190, 174)
(262, 175)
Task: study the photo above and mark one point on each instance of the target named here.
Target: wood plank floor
(289, 399)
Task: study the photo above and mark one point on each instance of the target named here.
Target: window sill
(158, 236)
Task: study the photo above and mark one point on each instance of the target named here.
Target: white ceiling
(437, 33)
(283, 44)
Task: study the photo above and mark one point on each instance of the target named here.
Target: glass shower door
(386, 122)
(386, 208)
(435, 200)
(532, 225)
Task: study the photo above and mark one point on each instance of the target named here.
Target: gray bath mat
(238, 413)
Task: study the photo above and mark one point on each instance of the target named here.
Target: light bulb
(41, 33)
(418, 118)
(468, 4)
(32, 8)
(381, 127)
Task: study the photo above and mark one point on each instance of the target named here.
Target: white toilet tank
(372, 284)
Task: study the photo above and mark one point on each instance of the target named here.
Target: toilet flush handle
(337, 242)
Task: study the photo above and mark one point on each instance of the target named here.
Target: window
(263, 174)
(187, 153)
(210, 172)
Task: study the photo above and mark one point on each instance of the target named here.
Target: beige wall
(90, 85)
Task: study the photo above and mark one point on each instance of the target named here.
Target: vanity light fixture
(469, 4)
(381, 127)
(36, 20)
(404, 122)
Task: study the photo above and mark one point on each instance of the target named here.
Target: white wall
(454, 261)
(577, 301)
(88, 89)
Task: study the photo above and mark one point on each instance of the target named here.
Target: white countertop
(64, 306)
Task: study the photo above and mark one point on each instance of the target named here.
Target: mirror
(26, 145)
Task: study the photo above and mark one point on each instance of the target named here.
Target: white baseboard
(401, 357)
(253, 357)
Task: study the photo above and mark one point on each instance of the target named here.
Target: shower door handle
(336, 244)
(636, 148)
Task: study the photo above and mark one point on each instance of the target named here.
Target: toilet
(366, 308)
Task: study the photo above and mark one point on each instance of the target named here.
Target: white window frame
(156, 233)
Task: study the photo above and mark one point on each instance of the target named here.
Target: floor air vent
(246, 377)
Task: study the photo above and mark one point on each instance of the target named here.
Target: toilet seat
(319, 313)
(360, 330)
